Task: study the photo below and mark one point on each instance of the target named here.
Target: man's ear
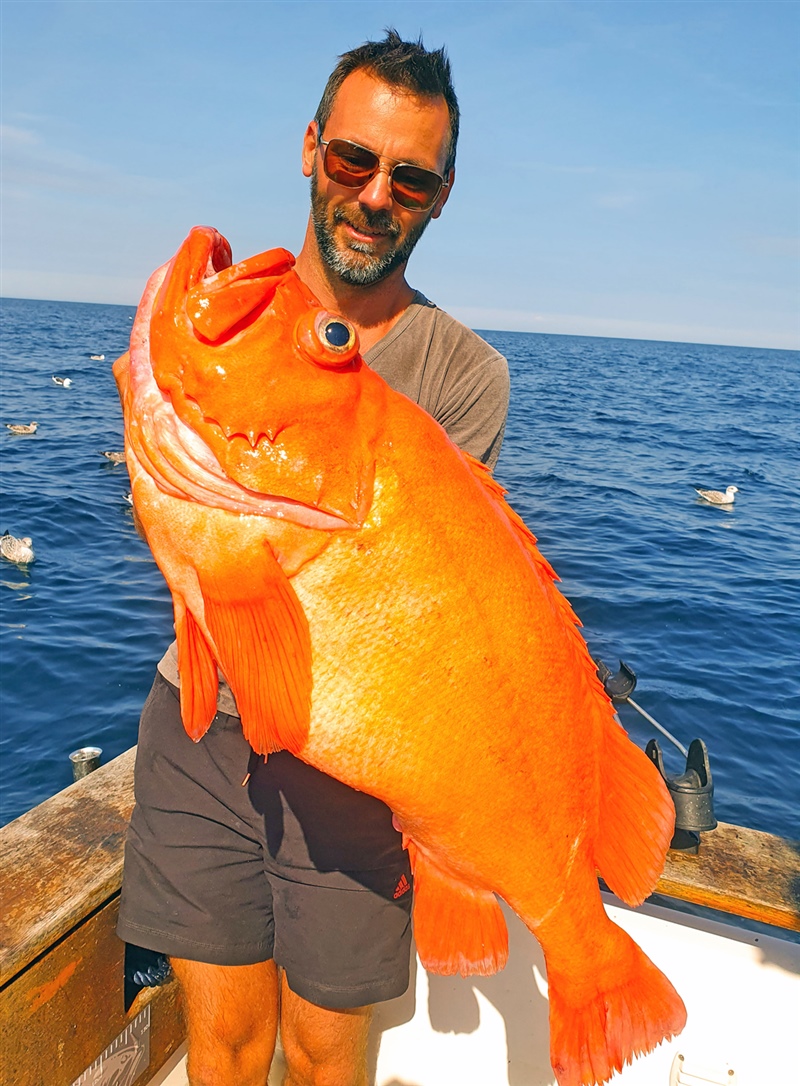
(444, 195)
(309, 148)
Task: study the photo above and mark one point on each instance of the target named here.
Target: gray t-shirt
(449, 370)
(452, 373)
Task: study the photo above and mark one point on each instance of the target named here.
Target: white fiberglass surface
(742, 993)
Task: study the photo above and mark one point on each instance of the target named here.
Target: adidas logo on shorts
(402, 887)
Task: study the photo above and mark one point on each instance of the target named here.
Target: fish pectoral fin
(458, 929)
(264, 649)
(198, 671)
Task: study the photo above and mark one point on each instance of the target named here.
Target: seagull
(716, 497)
(114, 457)
(97, 357)
(65, 382)
(22, 428)
(129, 498)
(16, 550)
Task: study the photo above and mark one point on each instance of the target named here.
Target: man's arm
(474, 408)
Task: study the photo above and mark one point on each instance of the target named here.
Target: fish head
(268, 378)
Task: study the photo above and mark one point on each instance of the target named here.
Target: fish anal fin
(636, 819)
(264, 649)
(198, 671)
(458, 929)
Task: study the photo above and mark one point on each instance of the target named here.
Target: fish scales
(380, 611)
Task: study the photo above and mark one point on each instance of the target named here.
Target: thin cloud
(516, 320)
(774, 245)
(29, 164)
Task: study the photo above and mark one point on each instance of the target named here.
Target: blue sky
(625, 168)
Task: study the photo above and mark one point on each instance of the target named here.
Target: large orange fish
(379, 610)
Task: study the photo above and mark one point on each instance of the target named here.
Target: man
(286, 903)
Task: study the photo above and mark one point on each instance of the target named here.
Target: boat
(68, 1017)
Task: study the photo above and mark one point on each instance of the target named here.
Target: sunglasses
(353, 167)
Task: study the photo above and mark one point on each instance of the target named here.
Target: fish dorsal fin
(484, 475)
(525, 536)
(198, 672)
(263, 647)
(457, 928)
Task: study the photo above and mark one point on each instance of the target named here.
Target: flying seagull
(716, 497)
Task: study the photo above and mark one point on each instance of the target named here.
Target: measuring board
(125, 1058)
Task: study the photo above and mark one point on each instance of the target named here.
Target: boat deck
(65, 1019)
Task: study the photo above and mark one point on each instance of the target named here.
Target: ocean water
(605, 440)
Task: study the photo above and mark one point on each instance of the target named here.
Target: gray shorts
(291, 864)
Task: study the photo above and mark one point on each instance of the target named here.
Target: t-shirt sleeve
(467, 386)
(473, 408)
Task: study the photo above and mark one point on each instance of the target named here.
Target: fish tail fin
(198, 671)
(636, 818)
(615, 1005)
(458, 929)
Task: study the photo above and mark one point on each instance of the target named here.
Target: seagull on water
(65, 382)
(16, 550)
(97, 357)
(114, 457)
(22, 427)
(716, 497)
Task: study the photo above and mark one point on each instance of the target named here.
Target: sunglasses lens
(352, 166)
(414, 188)
(348, 164)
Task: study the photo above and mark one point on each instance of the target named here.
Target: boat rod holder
(692, 792)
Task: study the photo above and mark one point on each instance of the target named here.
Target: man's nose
(377, 193)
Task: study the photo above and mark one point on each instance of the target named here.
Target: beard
(355, 263)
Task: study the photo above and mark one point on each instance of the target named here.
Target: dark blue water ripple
(606, 439)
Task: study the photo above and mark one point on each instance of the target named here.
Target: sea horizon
(476, 328)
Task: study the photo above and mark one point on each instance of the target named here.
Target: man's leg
(323, 1047)
(232, 1013)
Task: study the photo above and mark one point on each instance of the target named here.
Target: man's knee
(308, 1066)
(232, 1014)
(323, 1047)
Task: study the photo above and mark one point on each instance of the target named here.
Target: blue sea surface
(605, 441)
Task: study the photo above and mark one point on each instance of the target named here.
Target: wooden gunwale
(60, 875)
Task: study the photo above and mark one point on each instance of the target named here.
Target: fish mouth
(183, 466)
(174, 436)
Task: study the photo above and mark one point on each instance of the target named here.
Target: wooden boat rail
(61, 963)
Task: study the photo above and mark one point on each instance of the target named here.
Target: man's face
(363, 234)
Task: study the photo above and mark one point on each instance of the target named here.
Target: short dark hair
(405, 64)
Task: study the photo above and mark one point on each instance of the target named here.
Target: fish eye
(326, 339)
(337, 334)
